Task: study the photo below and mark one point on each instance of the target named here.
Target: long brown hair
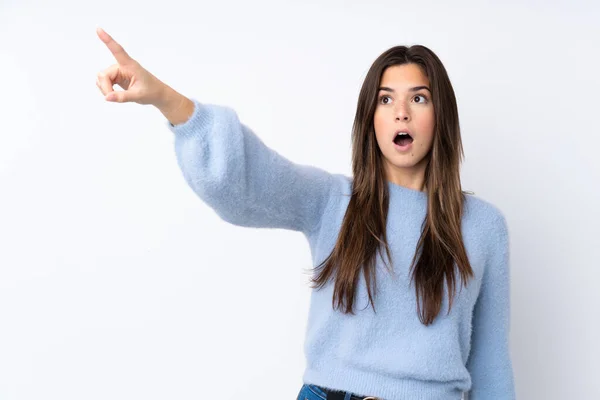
(363, 230)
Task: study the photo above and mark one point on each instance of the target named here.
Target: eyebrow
(413, 89)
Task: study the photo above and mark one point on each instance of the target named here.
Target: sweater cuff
(199, 117)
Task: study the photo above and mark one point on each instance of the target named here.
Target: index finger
(115, 48)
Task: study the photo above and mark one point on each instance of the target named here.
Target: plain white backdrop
(117, 282)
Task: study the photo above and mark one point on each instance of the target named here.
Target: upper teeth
(402, 133)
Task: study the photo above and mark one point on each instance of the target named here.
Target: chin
(405, 165)
(406, 161)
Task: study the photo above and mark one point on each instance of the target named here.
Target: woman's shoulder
(484, 212)
(342, 184)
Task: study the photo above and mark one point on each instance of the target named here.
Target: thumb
(117, 97)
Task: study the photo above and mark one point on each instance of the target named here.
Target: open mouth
(403, 139)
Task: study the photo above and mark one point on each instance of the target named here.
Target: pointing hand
(139, 85)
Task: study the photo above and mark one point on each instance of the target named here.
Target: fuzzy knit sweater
(388, 353)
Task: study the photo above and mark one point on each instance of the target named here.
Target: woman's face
(404, 104)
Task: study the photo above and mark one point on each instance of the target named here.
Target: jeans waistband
(341, 395)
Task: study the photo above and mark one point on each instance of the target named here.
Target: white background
(117, 282)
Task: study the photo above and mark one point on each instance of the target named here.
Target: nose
(402, 113)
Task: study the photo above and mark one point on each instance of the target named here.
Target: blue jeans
(312, 392)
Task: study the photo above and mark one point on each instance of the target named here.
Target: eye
(424, 97)
(383, 97)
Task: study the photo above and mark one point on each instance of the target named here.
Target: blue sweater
(388, 354)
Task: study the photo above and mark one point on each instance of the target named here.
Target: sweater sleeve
(245, 182)
(489, 362)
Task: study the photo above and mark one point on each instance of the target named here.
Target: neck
(409, 177)
(411, 181)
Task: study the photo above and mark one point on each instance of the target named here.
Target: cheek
(377, 118)
(425, 118)
(379, 126)
(426, 128)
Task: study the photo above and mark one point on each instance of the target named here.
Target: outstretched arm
(244, 181)
(223, 161)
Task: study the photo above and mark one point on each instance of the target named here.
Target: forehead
(404, 76)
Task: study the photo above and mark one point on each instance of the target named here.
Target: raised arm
(489, 361)
(223, 161)
(247, 183)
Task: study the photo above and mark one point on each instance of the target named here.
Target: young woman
(411, 282)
